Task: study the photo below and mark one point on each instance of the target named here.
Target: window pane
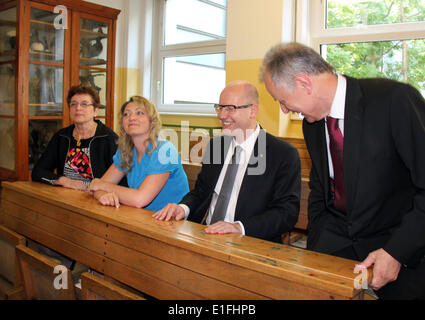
(351, 13)
(97, 80)
(7, 143)
(401, 60)
(45, 90)
(46, 41)
(196, 79)
(8, 34)
(93, 43)
(7, 91)
(194, 20)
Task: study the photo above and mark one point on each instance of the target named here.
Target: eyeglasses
(230, 108)
(84, 104)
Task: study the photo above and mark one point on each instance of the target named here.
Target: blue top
(165, 158)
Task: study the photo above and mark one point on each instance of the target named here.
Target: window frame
(162, 51)
(365, 33)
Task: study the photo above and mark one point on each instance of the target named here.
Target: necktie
(226, 187)
(336, 146)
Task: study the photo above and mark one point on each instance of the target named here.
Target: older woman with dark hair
(82, 151)
(79, 153)
(153, 168)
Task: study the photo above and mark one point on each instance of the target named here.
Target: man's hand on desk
(171, 211)
(385, 268)
(222, 227)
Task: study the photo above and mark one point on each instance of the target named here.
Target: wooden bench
(41, 278)
(10, 278)
(300, 228)
(192, 170)
(170, 260)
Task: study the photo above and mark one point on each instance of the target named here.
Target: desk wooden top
(309, 268)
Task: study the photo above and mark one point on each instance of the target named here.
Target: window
(372, 38)
(190, 59)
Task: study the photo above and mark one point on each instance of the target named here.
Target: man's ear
(254, 110)
(303, 81)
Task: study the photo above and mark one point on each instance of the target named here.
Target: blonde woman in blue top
(153, 167)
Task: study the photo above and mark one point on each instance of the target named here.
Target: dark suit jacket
(268, 203)
(384, 174)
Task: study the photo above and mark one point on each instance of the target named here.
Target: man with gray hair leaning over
(250, 181)
(366, 139)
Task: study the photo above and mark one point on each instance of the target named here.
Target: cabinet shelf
(92, 61)
(92, 35)
(8, 53)
(43, 53)
(44, 104)
(7, 23)
(42, 23)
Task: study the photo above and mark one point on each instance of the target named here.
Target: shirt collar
(338, 104)
(249, 142)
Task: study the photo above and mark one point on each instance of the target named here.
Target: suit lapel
(353, 131)
(316, 145)
(257, 162)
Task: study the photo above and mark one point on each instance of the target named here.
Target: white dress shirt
(337, 112)
(247, 148)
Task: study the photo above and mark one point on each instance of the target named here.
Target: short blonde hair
(125, 143)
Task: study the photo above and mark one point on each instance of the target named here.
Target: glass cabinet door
(46, 82)
(39, 134)
(46, 40)
(93, 59)
(7, 88)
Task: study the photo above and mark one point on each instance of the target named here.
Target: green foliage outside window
(402, 60)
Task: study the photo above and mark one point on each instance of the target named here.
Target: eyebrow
(137, 108)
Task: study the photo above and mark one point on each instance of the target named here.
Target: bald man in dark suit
(264, 194)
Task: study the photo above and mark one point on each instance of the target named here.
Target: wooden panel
(192, 170)
(56, 228)
(95, 288)
(176, 259)
(303, 215)
(147, 284)
(171, 271)
(223, 271)
(10, 279)
(38, 276)
(56, 243)
(304, 155)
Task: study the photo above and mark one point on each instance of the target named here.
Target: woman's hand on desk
(169, 212)
(71, 184)
(97, 185)
(107, 198)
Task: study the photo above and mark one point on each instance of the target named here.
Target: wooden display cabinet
(47, 46)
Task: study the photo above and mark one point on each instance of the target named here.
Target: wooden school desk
(170, 260)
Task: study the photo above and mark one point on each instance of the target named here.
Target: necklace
(79, 137)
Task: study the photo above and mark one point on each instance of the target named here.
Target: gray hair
(285, 61)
